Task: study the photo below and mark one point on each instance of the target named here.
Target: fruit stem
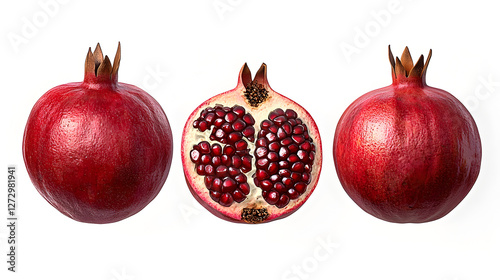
(404, 72)
(98, 70)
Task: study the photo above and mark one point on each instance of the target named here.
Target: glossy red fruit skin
(98, 151)
(407, 153)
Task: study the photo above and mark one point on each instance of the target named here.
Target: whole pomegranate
(407, 153)
(98, 151)
(251, 155)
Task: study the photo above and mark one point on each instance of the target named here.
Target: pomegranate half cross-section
(251, 155)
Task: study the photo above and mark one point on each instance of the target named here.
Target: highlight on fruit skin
(408, 152)
(99, 151)
(251, 155)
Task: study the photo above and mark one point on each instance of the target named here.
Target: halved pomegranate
(251, 155)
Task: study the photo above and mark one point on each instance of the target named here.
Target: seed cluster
(255, 94)
(254, 215)
(284, 156)
(230, 124)
(224, 167)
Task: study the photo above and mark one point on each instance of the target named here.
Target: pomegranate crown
(99, 67)
(404, 69)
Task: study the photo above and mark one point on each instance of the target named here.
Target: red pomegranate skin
(98, 151)
(407, 153)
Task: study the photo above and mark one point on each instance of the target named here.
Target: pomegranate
(98, 151)
(251, 155)
(407, 153)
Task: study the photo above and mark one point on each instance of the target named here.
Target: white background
(183, 52)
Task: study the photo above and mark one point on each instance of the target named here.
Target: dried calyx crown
(100, 67)
(404, 69)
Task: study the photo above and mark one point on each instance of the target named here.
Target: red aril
(407, 153)
(98, 151)
(250, 154)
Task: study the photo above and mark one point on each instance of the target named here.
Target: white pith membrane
(254, 200)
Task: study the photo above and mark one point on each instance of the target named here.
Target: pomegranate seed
(296, 176)
(245, 188)
(261, 152)
(233, 171)
(273, 168)
(221, 171)
(287, 127)
(240, 178)
(217, 185)
(206, 159)
(200, 169)
(261, 142)
(292, 122)
(306, 178)
(272, 197)
(280, 120)
(228, 185)
(247, 163)
(238, 125)
(218, 122)
(248, 132)
(226, 127)
(241, 145)
(202, 126)
(234, 136)
(307, 167)
(262, 163)
(284, 164)
(280, 187)
(226, 200)
(293, 158)
(248, 119)
(271, 137)
(230, 117)
(220, 113)
(238, 196)
(195, 156)
(283, 201)
(273, 129)
(274, 146)
(216, 161)
(204, 147)
(298, 167)
(209, 118)
(208, 181)
(261, 175)
(300, 187)
(298, 138)
(219, 133)
(273, 156)
(265, 124)
(289, 113)
(238, 110)
(306, 146)
(287, 141)
(265, 185)
(281, 133)
(293, 194)
(274, 178)
(288, 182)
(229, 150)
(311, 156)
(293, 148)
(196, 123)
(283, 153)
(285, 173)
(209, 170)
(298, 129)
(236, 161)
(215, 195)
